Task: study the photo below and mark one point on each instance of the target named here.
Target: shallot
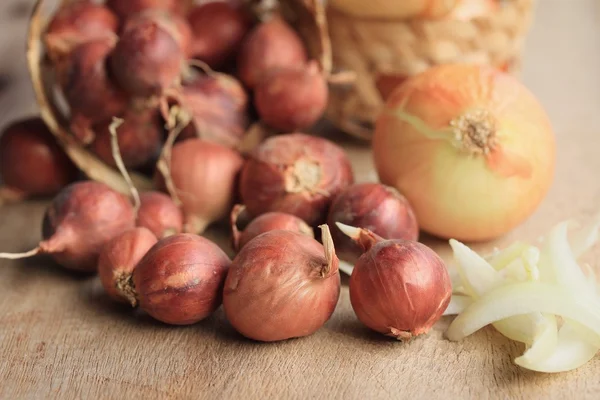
(118, 259)
(80, 220)
(282, 285)
(296, 174)
(400, 288)
(180, 280)
(373, 206)
(31, 161)
(159, 213)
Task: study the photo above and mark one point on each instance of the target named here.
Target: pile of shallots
(157, 88)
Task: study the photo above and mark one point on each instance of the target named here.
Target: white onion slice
(476, 273)
(585, 238)
(501, 258)
(544, 344)
(571, 351)
(346, 267)
(524, 298)
(458, 303)
(558, 264)
(522, 328)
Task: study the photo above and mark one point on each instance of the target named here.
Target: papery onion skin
(205, 175)
(272, 44)
(218, 105)
(159, 213)
(148, 59)
(504, 163)
(88, 88)
(128, 8)
(399, 288)
(118, 259)
(271, 221)
(296, 174)
(281, 286)
(77, 23)
(31, 161)
(176, 25)
(139, 138)
(373, 206)
(219, 29)
(80, 220)
(292, 99)
(180, 280)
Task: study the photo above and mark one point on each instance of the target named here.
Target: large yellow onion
(469, 146)
(395, 9)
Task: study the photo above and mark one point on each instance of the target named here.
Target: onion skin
(118, 259)
(80, 220)
(373, 206)
(205, 175)
(159, 213)
(273, 221)
(273, 44)
(180, 280)
(399, 288)
(292, 99)
(77, 23)
(218, 105)
(218, 30)
(31, 161)
(281, 286)
(128, 8)
(462, 183)
(295, 174)
(177, 26)
(148, 59)
(88, 88)
(139, 138)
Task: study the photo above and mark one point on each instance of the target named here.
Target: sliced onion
(571, 351)
(558, 264)
(458, 303)
(477, 275)
(544, 343)
(346, 267)
(585, 238)
(524, 298)
(500, 259)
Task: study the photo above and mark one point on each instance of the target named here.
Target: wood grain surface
(60, 337)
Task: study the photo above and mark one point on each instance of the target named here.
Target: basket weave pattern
(378, 50)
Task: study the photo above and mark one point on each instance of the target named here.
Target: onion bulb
(282, 285)
(400, 288)
(295, 174)
(470, 148)
(204, 177)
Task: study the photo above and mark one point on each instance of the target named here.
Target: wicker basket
(383, 53)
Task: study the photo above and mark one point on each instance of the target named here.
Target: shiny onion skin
(177, 26)
(295, 174)
(218, 30)
(373, 206)
(31, 161)
(80, 220)
(148, 59)
(292, 99)
(128, 8)
(77, 23)
(205, 177)
(470, 147)
(281, 285)
(92, 96)
(273, 221)
(180, 280)
(139, 138)
(118, 259)
(399, 288)
(272, 44)
(159, 213)
(218, 105)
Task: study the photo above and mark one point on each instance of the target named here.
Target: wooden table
(61, 338)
